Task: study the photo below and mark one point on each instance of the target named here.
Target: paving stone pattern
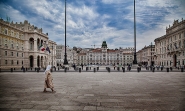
(89, 91)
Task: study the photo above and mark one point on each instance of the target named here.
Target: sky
(90, 22)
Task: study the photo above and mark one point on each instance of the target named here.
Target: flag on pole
(41, 47)
(47, 48)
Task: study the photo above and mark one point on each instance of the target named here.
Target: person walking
(48, 79)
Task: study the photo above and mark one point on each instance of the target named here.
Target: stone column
(35, 45)
(35, 61)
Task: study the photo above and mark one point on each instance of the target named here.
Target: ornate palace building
(170, 48)
(105, 56)
(20, 46)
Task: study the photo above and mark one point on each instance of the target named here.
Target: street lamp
(65, 55)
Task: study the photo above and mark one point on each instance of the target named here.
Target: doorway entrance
(174, 60)
(31, 61)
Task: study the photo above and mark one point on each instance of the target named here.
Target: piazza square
(98, 55)
(93, 91)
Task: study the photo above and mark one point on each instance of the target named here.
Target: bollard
(23, 69)
(114, 68)
(161, 68)
(182, 69)
(108, 69)
(11, 69)
(167, 69)
(65, 69)
(137, 69)
(123, 69)
(118, 68)
(37, 69)
(153, 70)
(79, 70)
(94, 69)
(171, 68)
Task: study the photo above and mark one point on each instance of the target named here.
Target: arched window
(31, 42)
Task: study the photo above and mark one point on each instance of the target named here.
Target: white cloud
(14, 15)
(86, 26)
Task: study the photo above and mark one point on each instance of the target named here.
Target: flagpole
(65, 56)
(135, 59)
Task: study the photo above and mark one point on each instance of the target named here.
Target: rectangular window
(17, 54)
(22, 55)
(12, 62)
(12, 53)
(12, 34)
(6, 31)
(17, 62)
(17, 35)
(6, 62)
(5, 53)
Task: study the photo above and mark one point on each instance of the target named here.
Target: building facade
(170, 48)
(105, 56)
(20, 46)
(71, 55)
(145, 56)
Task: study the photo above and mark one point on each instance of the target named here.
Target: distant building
(71, 55)
(145, 56)
(105, 56)
(20, 46)
(170, 48)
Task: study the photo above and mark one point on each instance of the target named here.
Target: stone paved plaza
(89, 91)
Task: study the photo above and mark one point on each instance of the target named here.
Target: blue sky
(92, 21)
